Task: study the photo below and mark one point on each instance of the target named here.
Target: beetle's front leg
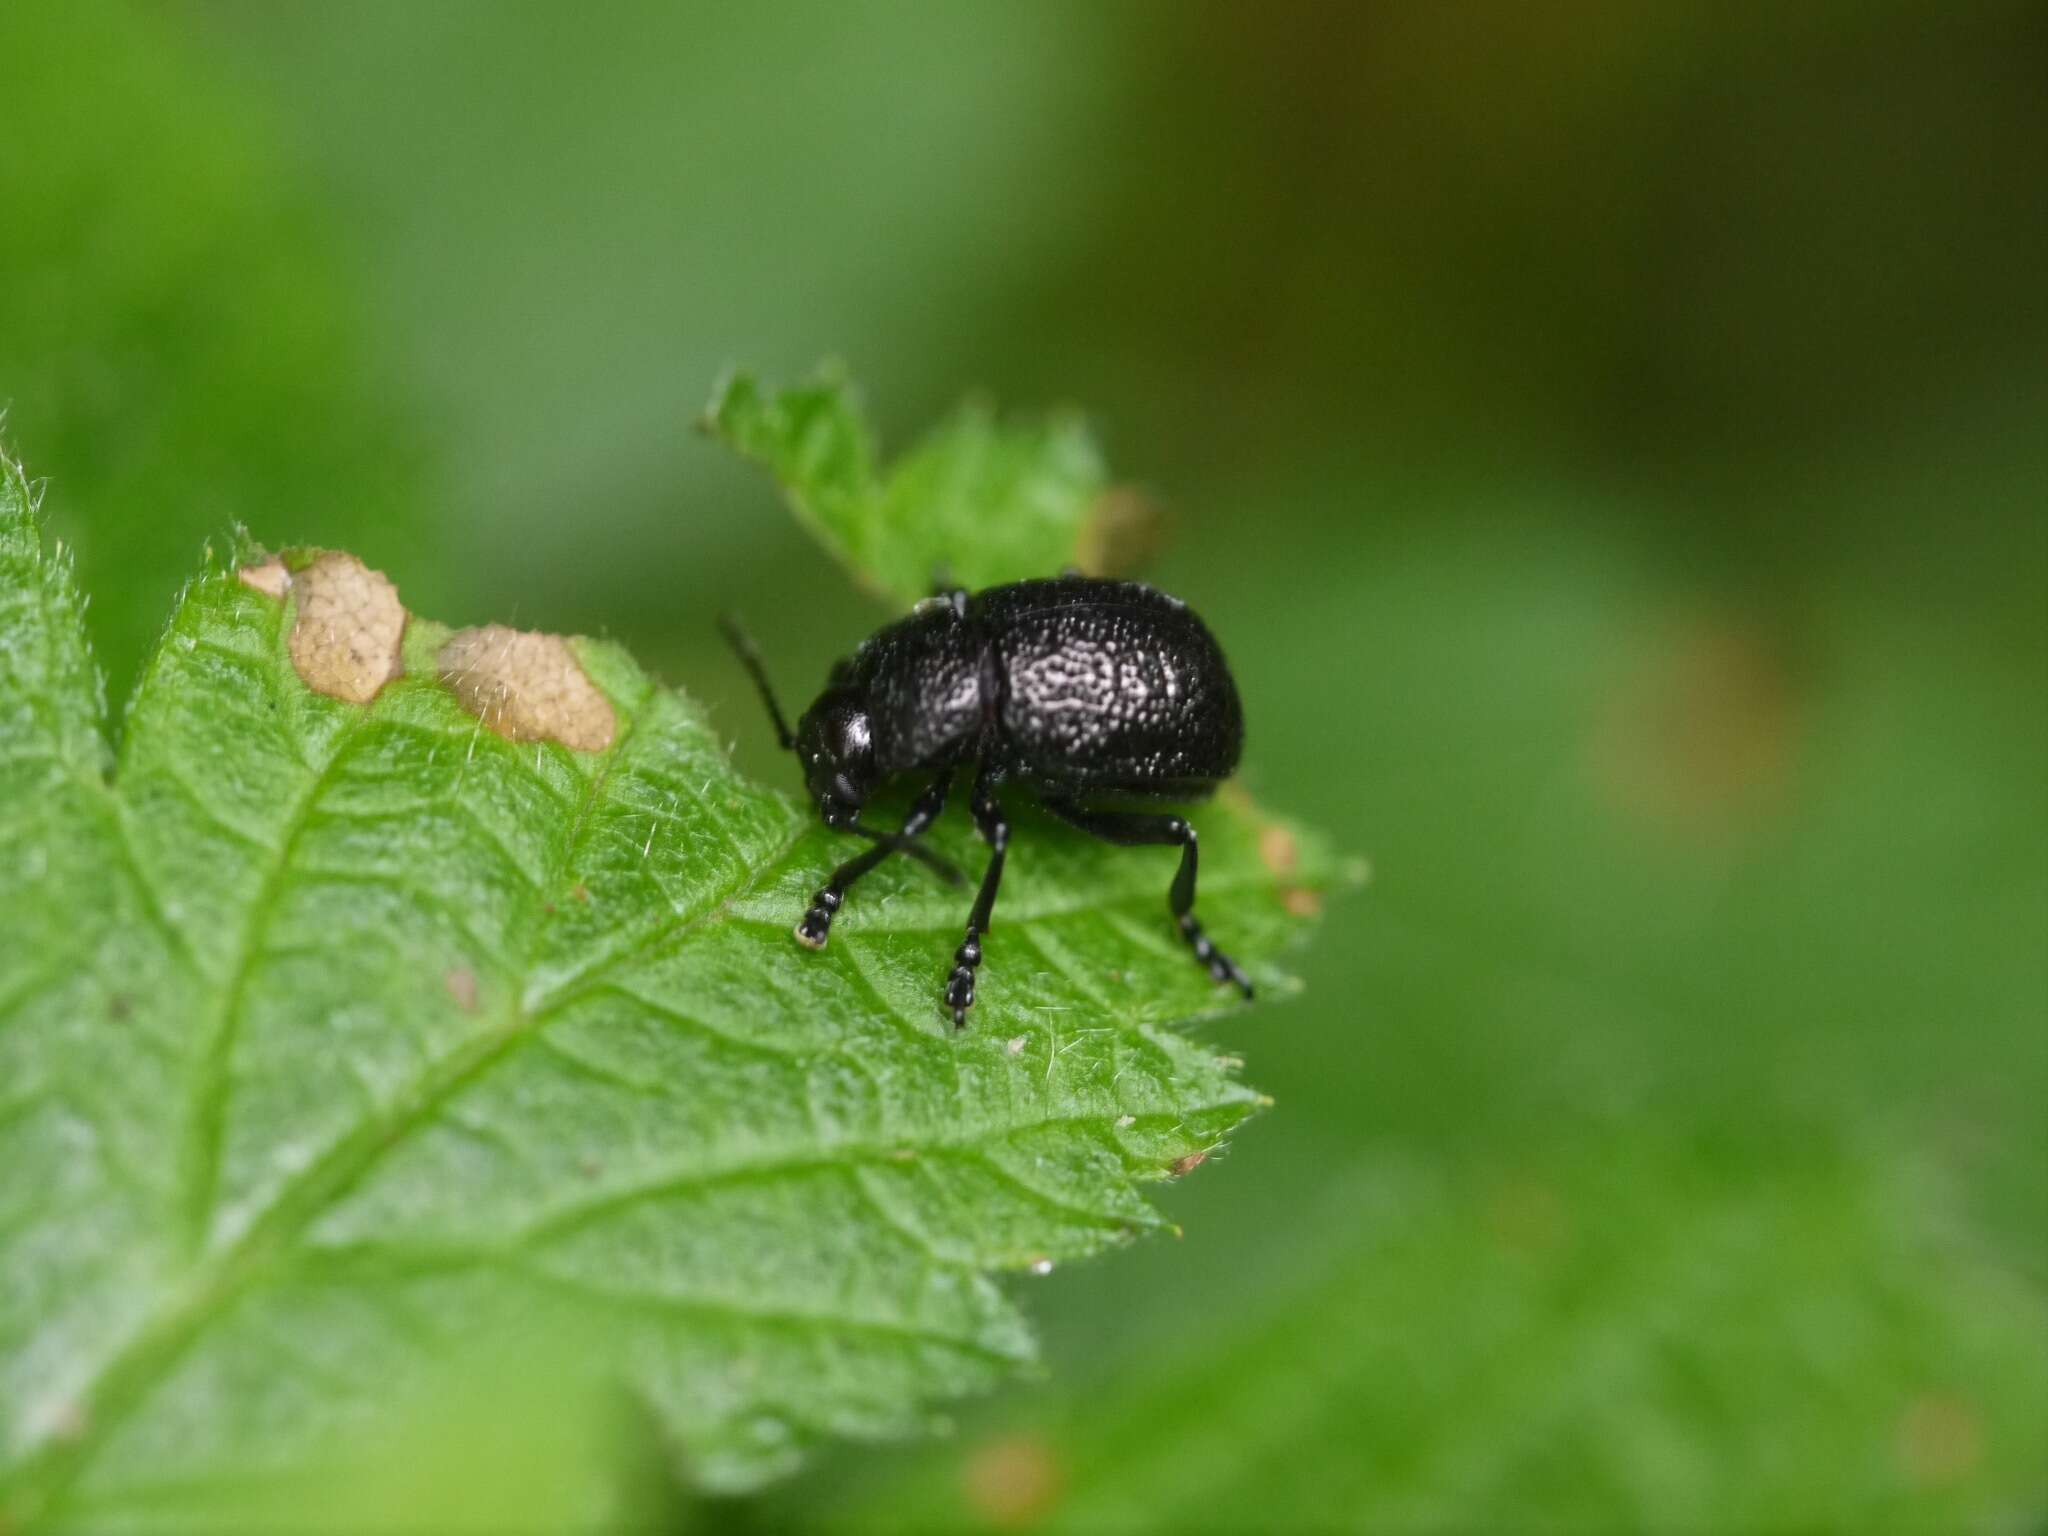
(816, 925)
(995, 829)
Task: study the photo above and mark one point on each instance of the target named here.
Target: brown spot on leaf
(1122, 533)
(461, 984)
(1280, 852)
(345, 640)
(1525, 1216)
(270, 578)
(70, 1422)
(1699, 743)
(527, 686)
(1013, 1482)
(1279, 849)
(1940, 1439)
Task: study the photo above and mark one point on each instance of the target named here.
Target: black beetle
(1070, 689)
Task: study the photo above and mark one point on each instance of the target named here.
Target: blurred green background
(1612, 442)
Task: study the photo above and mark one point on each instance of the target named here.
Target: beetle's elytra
(1071, 690)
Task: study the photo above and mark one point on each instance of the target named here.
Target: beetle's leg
(990, 822)
(906, 842)
(1131, 829)
(816, 926)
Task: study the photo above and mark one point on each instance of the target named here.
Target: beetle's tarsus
(816, 926)
(1223, 970)
(960, 987)
(960, 984)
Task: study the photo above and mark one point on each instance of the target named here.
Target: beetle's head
(836, 747)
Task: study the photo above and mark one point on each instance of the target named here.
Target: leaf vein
(210, 1091)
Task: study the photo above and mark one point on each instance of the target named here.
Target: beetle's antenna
(743, 647)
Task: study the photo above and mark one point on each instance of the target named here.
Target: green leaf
(979, 502)
(1587, 1341)
(350, 1052)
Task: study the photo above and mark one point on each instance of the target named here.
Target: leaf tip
(735, 389)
